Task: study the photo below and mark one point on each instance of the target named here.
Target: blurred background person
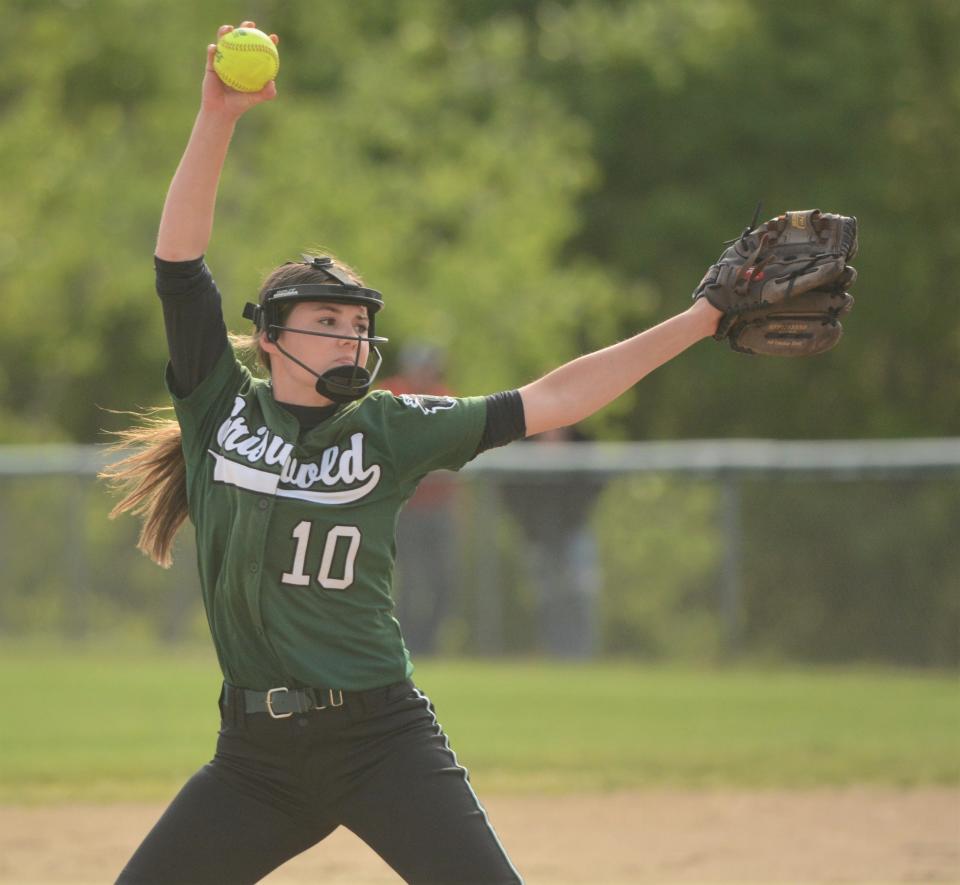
(560, 550)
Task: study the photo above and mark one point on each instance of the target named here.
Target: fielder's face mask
(342, 384)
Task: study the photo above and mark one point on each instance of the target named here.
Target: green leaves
(523, 181)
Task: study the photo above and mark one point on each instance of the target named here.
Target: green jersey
(295, 531)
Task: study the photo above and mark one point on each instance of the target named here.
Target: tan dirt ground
(851, 835)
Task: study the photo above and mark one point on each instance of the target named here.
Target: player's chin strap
(342, 384)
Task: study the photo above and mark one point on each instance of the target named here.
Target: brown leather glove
(782, 285)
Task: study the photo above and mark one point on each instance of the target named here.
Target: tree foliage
(523, 180)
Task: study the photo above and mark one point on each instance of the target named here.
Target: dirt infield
(853, 835)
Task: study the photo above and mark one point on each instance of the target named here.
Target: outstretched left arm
(585, 385)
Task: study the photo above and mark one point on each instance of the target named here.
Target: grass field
(132, 724)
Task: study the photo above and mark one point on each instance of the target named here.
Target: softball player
(293, 485)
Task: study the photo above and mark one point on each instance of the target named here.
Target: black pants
(380, 765)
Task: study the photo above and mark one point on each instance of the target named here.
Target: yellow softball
(246, 59)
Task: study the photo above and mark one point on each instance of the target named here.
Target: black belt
(283, 702)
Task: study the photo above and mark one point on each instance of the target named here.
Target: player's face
(318, 352)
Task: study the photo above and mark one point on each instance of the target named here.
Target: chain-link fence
(839, 551)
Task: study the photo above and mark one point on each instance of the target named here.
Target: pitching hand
(217, 96)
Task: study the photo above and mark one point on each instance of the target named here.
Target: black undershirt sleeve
(193, 317)
(505, 420)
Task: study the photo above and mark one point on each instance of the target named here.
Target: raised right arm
(187, 219)
(192, 314)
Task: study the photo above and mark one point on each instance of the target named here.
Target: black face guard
(341, 384)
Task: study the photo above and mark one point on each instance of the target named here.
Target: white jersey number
(301, 534)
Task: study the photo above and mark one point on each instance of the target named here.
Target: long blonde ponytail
(153, 481)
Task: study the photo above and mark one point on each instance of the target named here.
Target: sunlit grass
(133, 723)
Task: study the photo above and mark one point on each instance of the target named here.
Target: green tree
(413, 147)
(698, 110)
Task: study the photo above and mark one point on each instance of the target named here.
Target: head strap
(325, 263)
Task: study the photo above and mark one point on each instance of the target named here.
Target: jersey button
(263, 503)
(253, 568)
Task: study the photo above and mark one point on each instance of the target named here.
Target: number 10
(301, 533)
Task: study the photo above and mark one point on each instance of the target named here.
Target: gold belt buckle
(270, 703)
